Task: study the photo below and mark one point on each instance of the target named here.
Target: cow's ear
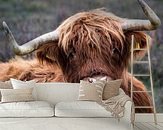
(48, 53)
(140, 41)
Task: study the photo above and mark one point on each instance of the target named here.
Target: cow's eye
(71, 54)
(116, 54)
(115, 51)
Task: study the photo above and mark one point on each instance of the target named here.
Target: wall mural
(87, 44)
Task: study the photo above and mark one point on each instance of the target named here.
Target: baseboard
(148, 117)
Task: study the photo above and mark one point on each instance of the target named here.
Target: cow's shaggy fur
(90, 44)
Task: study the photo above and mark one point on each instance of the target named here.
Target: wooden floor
(148, 126)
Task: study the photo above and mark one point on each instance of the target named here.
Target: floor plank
(136, 128)
(141, 126)
(161, 124)
(158, 125)
(148, 126)
(151, 126)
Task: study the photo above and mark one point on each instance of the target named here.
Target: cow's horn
(142, 25)
(31, 45)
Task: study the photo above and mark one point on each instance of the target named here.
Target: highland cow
(88, 44)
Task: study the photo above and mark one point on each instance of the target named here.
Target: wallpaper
(89, 44)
